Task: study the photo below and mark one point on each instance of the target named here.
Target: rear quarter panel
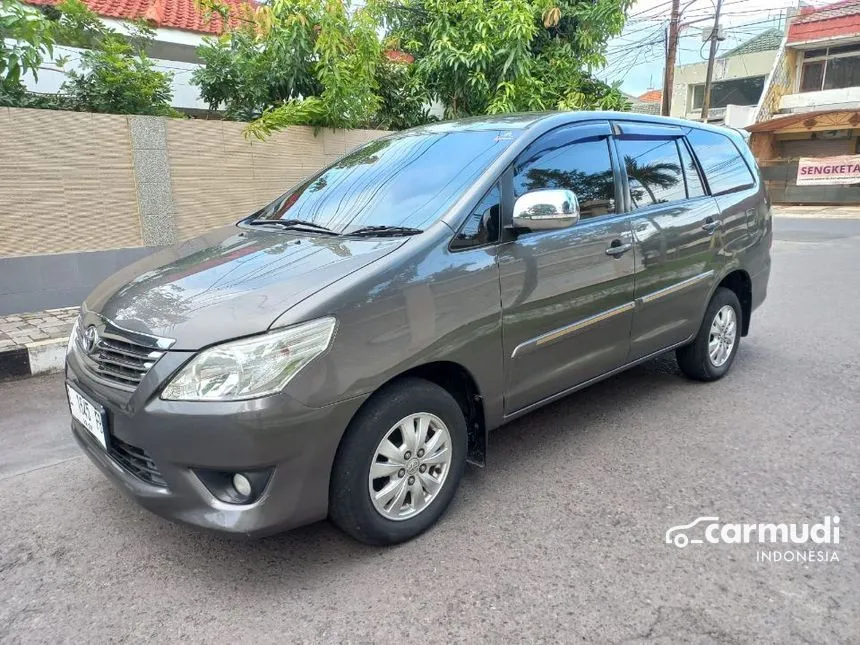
(747, 230)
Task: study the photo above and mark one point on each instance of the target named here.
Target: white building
(738, 81)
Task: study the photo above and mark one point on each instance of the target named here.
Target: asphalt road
(560, 539)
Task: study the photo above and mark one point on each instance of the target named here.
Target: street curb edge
(40, 357)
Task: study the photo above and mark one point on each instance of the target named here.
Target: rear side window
(725, 168)
(558, 160)
(653, 171)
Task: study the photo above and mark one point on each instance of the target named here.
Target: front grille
(117, 360)
(136, 461)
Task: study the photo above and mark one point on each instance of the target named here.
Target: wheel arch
(460, 384)
(739, 282)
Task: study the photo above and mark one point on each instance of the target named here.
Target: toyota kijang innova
(345, 350)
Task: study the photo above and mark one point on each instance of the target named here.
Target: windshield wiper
(293, 224)
(385, 230)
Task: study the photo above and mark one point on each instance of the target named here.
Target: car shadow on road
(296, 558)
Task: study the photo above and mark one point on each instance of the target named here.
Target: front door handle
(617, 248)
(711, 225)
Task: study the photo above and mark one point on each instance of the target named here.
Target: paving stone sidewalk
(19, 330)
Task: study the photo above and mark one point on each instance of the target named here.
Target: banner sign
(814, 171)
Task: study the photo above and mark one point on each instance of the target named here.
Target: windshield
(402, 181)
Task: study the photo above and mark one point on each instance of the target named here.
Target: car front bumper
(295, 444)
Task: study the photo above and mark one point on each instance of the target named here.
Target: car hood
(228, 283)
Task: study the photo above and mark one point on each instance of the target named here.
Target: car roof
(519, 121)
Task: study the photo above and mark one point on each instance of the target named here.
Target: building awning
(809, 121)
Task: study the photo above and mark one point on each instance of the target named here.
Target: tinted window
(724, 167)
(813, 76)
(842, 72)
(653, 171)
(482, 225)
(560, 161)
(691, 172)
(739, 91)
(405, 180)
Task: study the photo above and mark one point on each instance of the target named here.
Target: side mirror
(542, 210)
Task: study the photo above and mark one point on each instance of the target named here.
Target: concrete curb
(39, 357)
(816, 212)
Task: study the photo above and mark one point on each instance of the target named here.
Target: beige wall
(219, 177)
(68, 181)
(757, 64)
(63, 176)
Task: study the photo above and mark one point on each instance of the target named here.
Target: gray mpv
(345, 350)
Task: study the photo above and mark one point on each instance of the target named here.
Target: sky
(636, 57)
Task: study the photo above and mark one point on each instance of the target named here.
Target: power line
(644, 11)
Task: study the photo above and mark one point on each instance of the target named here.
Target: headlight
(251, 367)
(73, 337)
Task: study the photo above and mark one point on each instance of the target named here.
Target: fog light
(242, 485)
(230, 487)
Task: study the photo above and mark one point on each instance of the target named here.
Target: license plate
(88, 415)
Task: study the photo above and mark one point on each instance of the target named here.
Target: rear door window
(654, 171)
(725, 168)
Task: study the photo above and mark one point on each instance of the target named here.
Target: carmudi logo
(823, 536)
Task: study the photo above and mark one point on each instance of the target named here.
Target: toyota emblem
(91, 339)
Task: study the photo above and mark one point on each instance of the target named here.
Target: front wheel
(399, 463)
(713, 351)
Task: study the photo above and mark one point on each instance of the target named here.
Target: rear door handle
(617, 248)
(711, 225)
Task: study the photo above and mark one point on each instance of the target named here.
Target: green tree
(492, 56)
(117, 77)
(310, 62)
(320, 63)
(115, 73)
(403, 100)
(30, 39)
(263, 62)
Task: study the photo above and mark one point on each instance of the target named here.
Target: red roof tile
(832, 21)
(171, 14)
(651, 96)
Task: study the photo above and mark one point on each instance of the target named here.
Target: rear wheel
(713, 351)
(399, 463)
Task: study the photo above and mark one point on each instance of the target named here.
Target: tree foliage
(116, 76)
(114, 73)
(26, 38)
(311, 62)
(320, 63)
(493, 56)
(403, 100)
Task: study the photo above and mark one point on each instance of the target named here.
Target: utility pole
(706, 99)
(671, 52)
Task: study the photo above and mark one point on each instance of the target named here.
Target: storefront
(810, 158)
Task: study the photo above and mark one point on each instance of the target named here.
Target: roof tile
(170, 14)
(832, 21)
(651, 96)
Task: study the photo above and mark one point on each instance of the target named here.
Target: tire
(695, 359)
(408, 403)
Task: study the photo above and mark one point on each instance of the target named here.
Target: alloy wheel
(723, 334)
(410, 466)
